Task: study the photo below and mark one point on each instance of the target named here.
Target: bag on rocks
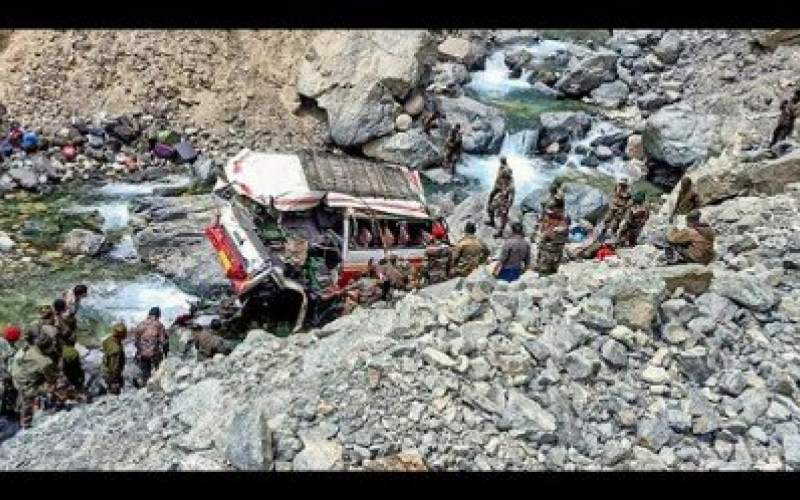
(96, 131)
(164, 151)
(186, 152)
(30, 140)
(6, 149)
(69, 153)
(95, 141)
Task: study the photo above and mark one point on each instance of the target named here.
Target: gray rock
(6, 243)
(754, 402)
(610, 95)
(438, 358)
(412, 148)
(654, 375)
(524, 410)
(732, 382)
(561, 126)
(654, 433)
(482, 126)
(588, 74)
(247, 444)
(614, 353)
(584, 202)
(598, 313)
(745, 290)
(669, 47)
(318, 455)
(582, 363)
(693, 363)
(791, 450)
(679, 137)
(84, 242)
(448, 78)
(26, 178)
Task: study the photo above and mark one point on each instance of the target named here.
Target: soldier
(633, 222)
(502, 197)
(687, 199)
(469, 252)
(789, 111)
(34, 373)
(556, 194)
(619, 206)
(438, 261)
(552, 235)
(515, 256)
(452, 149)
(73, 298)
(208, 343)
(114, 358)
(150, 338)
(694, 244)
(8, 395)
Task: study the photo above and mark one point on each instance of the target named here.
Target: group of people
(42, 367)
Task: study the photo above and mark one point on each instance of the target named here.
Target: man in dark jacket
(515, 256)
(150, 338)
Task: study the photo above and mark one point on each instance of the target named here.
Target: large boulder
(413, 148)
(679, 137)
(463, 51)
(482, 126)
(773, 38)
(561, 126)
(247, 444)
(745, 289)
(358, 75)
(584, 202)
(588, 74)
(25, 177)
(636, 299)
(693, 278)
(84, 242)
(716, 183)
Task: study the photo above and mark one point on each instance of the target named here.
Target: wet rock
(560, 126)
(84, 242)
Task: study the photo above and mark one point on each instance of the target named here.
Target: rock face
(679, 137)
(413, 148)
(84, 242)
(462, 51)
(359, 76)
(720, 182)
(584, 202)
(483, 127)
(588, 74)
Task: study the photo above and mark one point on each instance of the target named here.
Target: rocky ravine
(623, 364)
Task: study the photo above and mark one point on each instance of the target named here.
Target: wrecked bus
(292, 225)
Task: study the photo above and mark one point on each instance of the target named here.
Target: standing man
(452, 149)
(73, 298)
(502, 197)
(633, 222)
(114, 358)
(687, 199)
(150, 338)
(515, 256)
(34, 373)
(789, 111)
(619, 207)
(552, 235)
(469, 252)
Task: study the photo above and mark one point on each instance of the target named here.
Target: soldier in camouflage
(114, 359)
(34, 372)
(619, 207)
(633, 222)
(452, 148)
(468, 253)
(150, 338)
(552, 235)
(501, 197)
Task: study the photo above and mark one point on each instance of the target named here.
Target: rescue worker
(687, 199)
(515, 256)
(694, 244)
(437, 255)
(150, 338)
(452, 148)
(207, 343)
(468, 253)
(619, 207)
(551, 235)
(114, 358)
(8, 395)
(633, 222)
(34, 373)
(501, 197)
(789, 111)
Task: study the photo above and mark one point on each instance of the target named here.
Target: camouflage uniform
(553, 233)
(686, 202)
(8, 394)
(501, 198)
(694, 244)
(619, 207)
(113, 364)
(32, 371)
(632, 225)
(468, 254)
(438, 263)
(150, 338)
(452, 150)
